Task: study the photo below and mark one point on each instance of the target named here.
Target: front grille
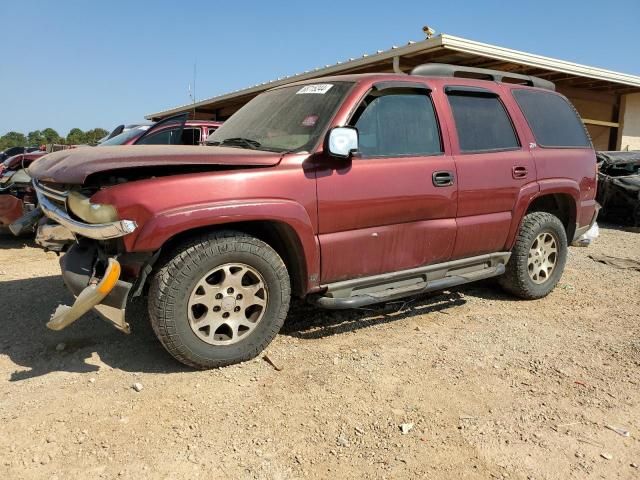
(55, 192)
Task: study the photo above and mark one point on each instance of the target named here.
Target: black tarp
(619, 186)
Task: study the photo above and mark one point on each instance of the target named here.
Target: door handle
(443, 178)
(519, 172)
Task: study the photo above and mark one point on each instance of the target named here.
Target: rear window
(553, 120)
(482, 123)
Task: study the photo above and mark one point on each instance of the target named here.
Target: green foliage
(35, 139)
(47, 136)
(76, 137)
(12, 139)
(92, 136)
(51, 136)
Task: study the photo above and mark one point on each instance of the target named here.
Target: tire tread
(164, 290)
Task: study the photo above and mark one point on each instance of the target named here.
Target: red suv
(346, 191)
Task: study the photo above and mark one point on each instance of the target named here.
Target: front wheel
(219, 299)
(538, 257)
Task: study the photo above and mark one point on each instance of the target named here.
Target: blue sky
(86, 64)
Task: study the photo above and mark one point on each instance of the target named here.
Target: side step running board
(393, 293)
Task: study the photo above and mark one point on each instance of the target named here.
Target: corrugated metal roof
(439, 42)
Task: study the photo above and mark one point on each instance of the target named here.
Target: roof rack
(447, 70)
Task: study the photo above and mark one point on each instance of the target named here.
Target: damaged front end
(95, 268)
(619, 186)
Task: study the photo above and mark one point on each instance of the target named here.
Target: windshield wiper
(239, 141)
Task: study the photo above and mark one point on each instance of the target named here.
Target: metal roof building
(608, 101)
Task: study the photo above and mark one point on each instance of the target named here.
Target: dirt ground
(486, 387)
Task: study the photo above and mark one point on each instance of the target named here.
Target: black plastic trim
(470, 91)
(399, 84)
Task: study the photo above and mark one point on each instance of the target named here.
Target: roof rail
(447, 70)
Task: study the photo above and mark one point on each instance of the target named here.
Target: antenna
(192, 92)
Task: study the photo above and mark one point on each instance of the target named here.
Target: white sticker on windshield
(320, 88)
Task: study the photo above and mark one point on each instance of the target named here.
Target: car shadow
(10, 241)
(91, 343)
(82, 347)
(308, 322)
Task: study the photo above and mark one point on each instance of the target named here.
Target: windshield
(124, 136)
(285, 119)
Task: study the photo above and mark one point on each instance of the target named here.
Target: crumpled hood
(73, 166)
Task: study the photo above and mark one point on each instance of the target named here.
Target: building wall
(629, 131)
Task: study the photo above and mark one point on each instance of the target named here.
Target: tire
(517, 279)
(184, 293)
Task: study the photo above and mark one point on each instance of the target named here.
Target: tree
(76, 137)
(35, 138)
(92, 136)
(51, 136)
(12, 139)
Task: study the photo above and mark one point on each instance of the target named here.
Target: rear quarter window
(553, 120)
(482, 122)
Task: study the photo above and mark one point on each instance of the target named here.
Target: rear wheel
(538, 257)
(219, 299)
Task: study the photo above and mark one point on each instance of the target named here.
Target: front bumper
(99, 231)
(106, 294)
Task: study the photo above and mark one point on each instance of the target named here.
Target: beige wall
(599, 136)
(629, 132)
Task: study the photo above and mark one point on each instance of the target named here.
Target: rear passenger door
(492, 167)
(383, 212)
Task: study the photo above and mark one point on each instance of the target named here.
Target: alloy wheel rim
(543, 257)
(227, 304)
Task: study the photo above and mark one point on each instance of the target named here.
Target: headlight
(91, 212)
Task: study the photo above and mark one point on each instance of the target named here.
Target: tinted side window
(482, 123)
(397, 124)
(191, 136)
(553, 120)
(163, 137)
(170, 136)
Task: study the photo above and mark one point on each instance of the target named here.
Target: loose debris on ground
(468, 383)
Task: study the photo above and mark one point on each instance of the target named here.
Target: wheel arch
(279, 235)
(562, 205)
(559, 197)
(283, 224)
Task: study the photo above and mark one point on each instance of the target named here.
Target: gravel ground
(467, 383)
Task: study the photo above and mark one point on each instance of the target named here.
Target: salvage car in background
(17, 197)
(175, 130)
(18, 203)
(124, 128)
(10, 152)
(619, 186)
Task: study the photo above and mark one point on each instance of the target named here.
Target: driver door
(388, 208)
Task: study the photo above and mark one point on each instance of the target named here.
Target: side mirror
(342, 141)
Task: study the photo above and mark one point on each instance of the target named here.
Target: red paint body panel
(74, 166)
(353, 217)
(393, 199)
(357, 253)
(11, 209)
(570, 171)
